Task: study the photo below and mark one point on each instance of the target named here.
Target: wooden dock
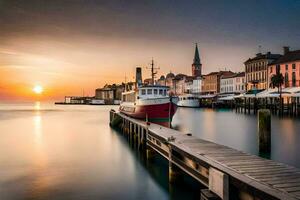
(228, 173)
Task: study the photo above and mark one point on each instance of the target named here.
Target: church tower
(196, 66)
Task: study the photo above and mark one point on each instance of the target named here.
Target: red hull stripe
(158, 112)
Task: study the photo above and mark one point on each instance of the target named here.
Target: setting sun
(38, 89)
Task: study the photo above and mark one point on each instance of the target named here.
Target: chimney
(286, 49)
(138, 76)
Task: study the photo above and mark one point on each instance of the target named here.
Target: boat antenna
(153, 73)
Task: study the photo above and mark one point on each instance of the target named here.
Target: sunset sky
(71, 46)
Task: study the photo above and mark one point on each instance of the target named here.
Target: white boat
(188, 100)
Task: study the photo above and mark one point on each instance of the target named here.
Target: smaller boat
(188, 100)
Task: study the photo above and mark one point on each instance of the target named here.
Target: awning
(228, 98)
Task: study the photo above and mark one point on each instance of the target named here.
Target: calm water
(239, 131)
(70, 152)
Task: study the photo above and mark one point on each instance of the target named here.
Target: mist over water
(70, 152)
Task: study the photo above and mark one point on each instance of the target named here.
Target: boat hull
(189, 103)
(156, 113)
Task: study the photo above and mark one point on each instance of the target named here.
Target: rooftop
(288, 57)
(260, 56)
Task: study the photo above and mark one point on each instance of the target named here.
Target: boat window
(149, 91)
(143, 91)
(155, 91)
(165, 93)
(160, 91)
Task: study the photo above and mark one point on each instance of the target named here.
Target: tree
(277, 81)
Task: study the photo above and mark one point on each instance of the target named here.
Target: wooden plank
(259, 168)
(297, 193)
(285, 175)
(249, 164)
(270, 172)
(280, 181)
(287, 185)
(292, 189)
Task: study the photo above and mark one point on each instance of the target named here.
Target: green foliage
(277, 80)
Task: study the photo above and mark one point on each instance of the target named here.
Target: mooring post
(264, 130)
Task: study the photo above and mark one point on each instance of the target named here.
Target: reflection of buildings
(289, 66)
(256, 70)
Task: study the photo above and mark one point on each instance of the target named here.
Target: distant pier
(226, 172)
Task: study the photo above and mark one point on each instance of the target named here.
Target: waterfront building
(105, 93)
(233, 84)
(161, 81)
(211, 81)
(196, 66)
(77, 100)
(289, 66)
(169, 82)
(148, 81)
(182, 84)
(256, 70)
(112, 93)
(197, 86)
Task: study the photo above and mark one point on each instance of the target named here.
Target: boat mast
(153, 73)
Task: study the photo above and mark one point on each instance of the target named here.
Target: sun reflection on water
(37, 105)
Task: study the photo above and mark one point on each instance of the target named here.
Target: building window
(294, 79)
(286, 67)
(270, 69)
(286, 79)
(294, 66)
(277, 69)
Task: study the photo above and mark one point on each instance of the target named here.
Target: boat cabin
(187, 97)
(146, 92)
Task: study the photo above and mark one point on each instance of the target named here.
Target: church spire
(196, 66)
(196, 56)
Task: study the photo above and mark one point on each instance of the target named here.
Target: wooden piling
(150, 153)
(206, 194)
(264, 130)
(174, 171)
